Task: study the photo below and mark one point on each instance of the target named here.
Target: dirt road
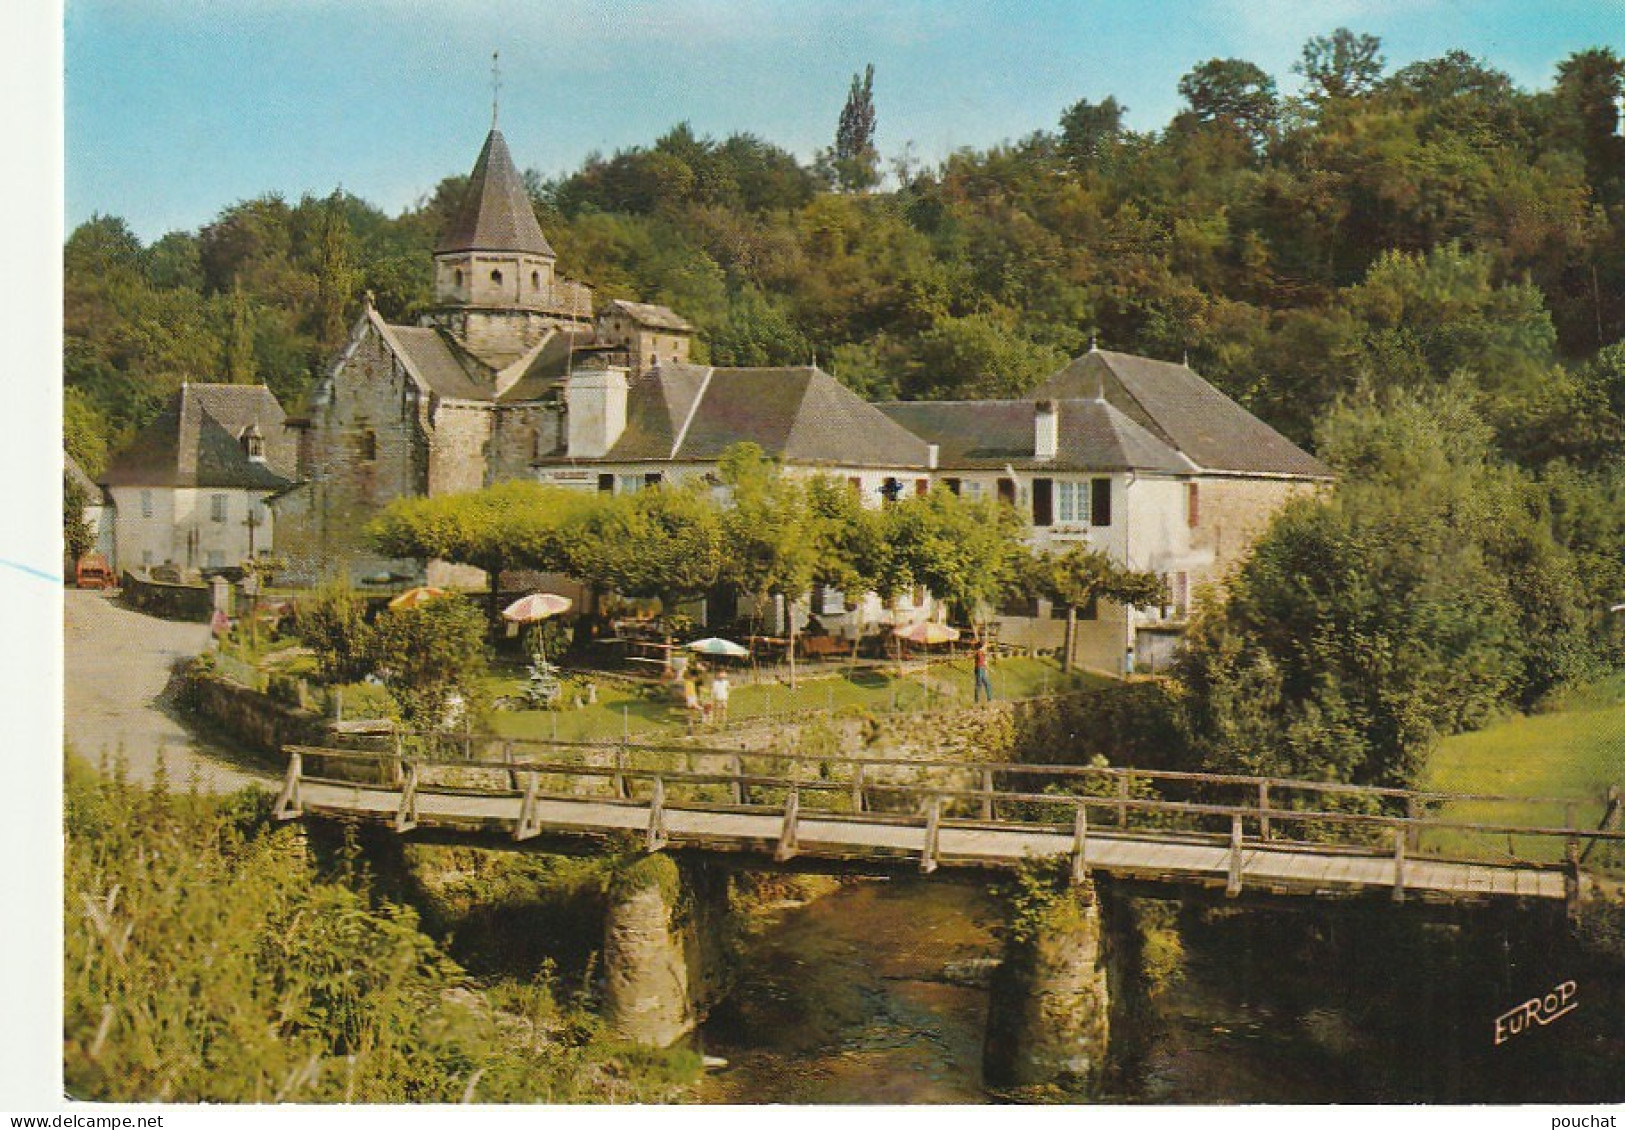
(117, 665)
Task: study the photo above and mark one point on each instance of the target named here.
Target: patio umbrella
(713, 645)
(417, 597)
(535, 608)
(927, 632)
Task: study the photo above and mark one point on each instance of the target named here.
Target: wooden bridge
(1237, 833)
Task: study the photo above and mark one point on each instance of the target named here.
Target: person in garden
(984, 685)
(719, 697)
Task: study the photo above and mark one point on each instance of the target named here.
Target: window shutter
(1100, 502)
(922, 486)
(1193, 505)
(1043, 502)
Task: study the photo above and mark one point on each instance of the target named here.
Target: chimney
(1046, 430)
(931, 455)
(595, 406)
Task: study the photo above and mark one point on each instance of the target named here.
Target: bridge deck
(1171, 856)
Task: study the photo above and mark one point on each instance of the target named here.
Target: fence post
(1232, 886)
(1080, 843)
(1413, 834)
(656, 838)
(857, 788)
(987, 794)
(787, 831)
(1571, 845)
(739, 779)
(1122, 796)
(406, 816)
(1400, 836)
(528, 825)
(287, 802)
(933, 822)
(1263, 808)
(619, 779)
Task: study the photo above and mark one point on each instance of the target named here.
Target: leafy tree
(78, 538)
(241, 367)
(1232, 93)
(856, 160)
(333, 624)
(1078, 576)
(967, 553)
(84, 431)
(430, 658)
(1089, 129)
(1340, 65)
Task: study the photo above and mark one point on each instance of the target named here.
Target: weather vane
(496, 86)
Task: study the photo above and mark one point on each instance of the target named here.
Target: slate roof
(495, 214)
(648, 314)
(1092, 435)
(1177, 406)
(452, 372)
(195, 442)
(801, 415)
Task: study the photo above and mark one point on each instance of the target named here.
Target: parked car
(93, 572)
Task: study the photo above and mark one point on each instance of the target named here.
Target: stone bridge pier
(666, 947)
(1049, 1005)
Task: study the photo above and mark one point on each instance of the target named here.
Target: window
(1043, 502)
(1071, 503)
(954, 486)
(366, 445)
(1007, 491)
(652, 479)
(972, 490)
(606, 483)
(890, 489)
(855, 483)
(1193, 506)
(1100, 502)
(536, 280)
(1179, 591)
(217, 508)
(496, 277)
(628, 484)
(146, 505)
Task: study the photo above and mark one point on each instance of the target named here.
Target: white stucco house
(190, 490)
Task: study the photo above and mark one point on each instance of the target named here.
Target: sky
(176, 109)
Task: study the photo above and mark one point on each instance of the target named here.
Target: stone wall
(253, 718)
(175, 602)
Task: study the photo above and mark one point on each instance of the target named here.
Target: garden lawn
(1575, 750)
(648, 711)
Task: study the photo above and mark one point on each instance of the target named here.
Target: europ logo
(1536, 1010)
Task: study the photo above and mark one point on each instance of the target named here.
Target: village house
(515, 375)
(190, 490)
(98, 510)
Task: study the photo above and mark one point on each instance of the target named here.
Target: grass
(652, 712)
(1576, 750)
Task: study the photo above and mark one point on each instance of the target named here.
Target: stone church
(469, 396)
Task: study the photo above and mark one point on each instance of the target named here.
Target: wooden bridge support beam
(1048, 1010)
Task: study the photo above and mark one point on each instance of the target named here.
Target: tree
(332, 622)
(1079, 576)
(78, 538)
(1340, 65)
(241, 366)
(856, 160)
(335, 272)
(1232, 93)
(432, 658)
(967, 553)
(1589, 86)
(1089, 129)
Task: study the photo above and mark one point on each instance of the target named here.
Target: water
(858, 997)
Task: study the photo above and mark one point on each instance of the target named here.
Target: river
(861, 997)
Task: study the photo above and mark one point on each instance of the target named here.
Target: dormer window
(459, 276)
(536, 280)
(496, 277)
(253, 444)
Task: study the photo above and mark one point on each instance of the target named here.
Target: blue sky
(178, 108)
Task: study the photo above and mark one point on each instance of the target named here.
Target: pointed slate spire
(495, 214)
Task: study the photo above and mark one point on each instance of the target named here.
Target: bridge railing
(878, 790)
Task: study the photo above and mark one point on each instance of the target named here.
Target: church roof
(801, 415)
(196, 441)
(1177, 406)
(496, 213)
(1091, 435)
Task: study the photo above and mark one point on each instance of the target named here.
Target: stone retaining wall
(254, 718)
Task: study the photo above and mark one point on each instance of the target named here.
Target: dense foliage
(208, 957)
